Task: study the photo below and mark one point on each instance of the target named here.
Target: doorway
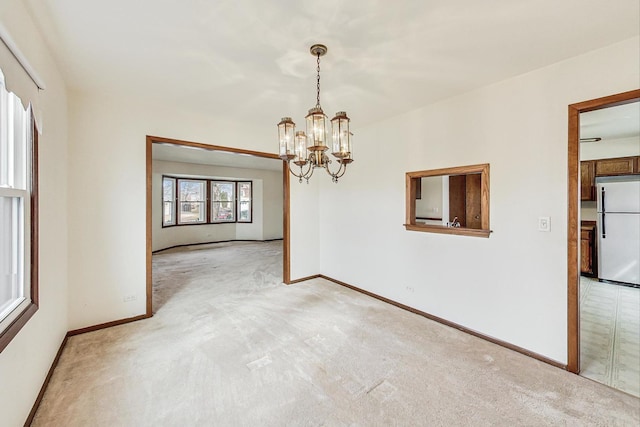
(153, 140)
(576, 193)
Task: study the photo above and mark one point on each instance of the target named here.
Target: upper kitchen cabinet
(618, 166)
(587, 180)
(591, 169)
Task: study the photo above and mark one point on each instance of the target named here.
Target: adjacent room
(318, 213)
(203, 199)
(609, 238)
(245, 195)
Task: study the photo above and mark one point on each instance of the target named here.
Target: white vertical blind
(15, 207)
(10, 289)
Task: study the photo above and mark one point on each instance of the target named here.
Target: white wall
(272, 208)
(431, 202)
(107, 169)
(267, 208)
(607, 149)
(588, 211)
(24, 363)
(305, 225)
(512, 285)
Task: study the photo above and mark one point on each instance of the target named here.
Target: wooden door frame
(286, 264)
(573, 235)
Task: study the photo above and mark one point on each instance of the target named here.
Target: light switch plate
(544, 223)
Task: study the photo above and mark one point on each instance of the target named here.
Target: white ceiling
(622, 121)
(177, 153)
(248, 60)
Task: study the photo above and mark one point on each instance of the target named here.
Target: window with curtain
(18, 203)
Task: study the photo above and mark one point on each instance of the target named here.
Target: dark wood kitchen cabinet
(590, 169)
(588, 254)
(617, 166)
(587, 180)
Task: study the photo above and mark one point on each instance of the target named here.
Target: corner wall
(24, 363)
(513, 285)
(107, 170)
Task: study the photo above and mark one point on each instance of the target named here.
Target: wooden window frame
(10, 332)
(411, 189)
(179, 202)
(208, 201)
(211, 182)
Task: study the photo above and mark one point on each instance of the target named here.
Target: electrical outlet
(410, 289)
(129, 298)
(544, 223)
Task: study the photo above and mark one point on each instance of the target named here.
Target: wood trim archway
(286, 275)
(573, 236)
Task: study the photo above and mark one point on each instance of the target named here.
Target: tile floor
(610, 334)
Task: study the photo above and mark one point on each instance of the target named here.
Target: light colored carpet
(231, 346)
(610, 334)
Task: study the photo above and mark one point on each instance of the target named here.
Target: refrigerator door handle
(602, 194)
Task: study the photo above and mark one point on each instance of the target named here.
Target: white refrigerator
(618, 228)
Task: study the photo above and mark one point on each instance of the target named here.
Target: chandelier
(308, 150)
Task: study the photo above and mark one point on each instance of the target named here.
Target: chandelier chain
(318, 82)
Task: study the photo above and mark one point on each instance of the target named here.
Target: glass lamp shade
(301, 153)
(349, 158)
(286, 131)
(316, 130)
(341, 135)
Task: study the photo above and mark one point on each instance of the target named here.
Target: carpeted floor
(230, 345)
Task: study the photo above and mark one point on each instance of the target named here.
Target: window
(18, 220)
(168, 201)
(192, 208)
(205, 201)
(223, 201)
(244, 201)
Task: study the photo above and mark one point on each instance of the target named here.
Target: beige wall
(24, 363)
(267, 206)
(512, 285)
